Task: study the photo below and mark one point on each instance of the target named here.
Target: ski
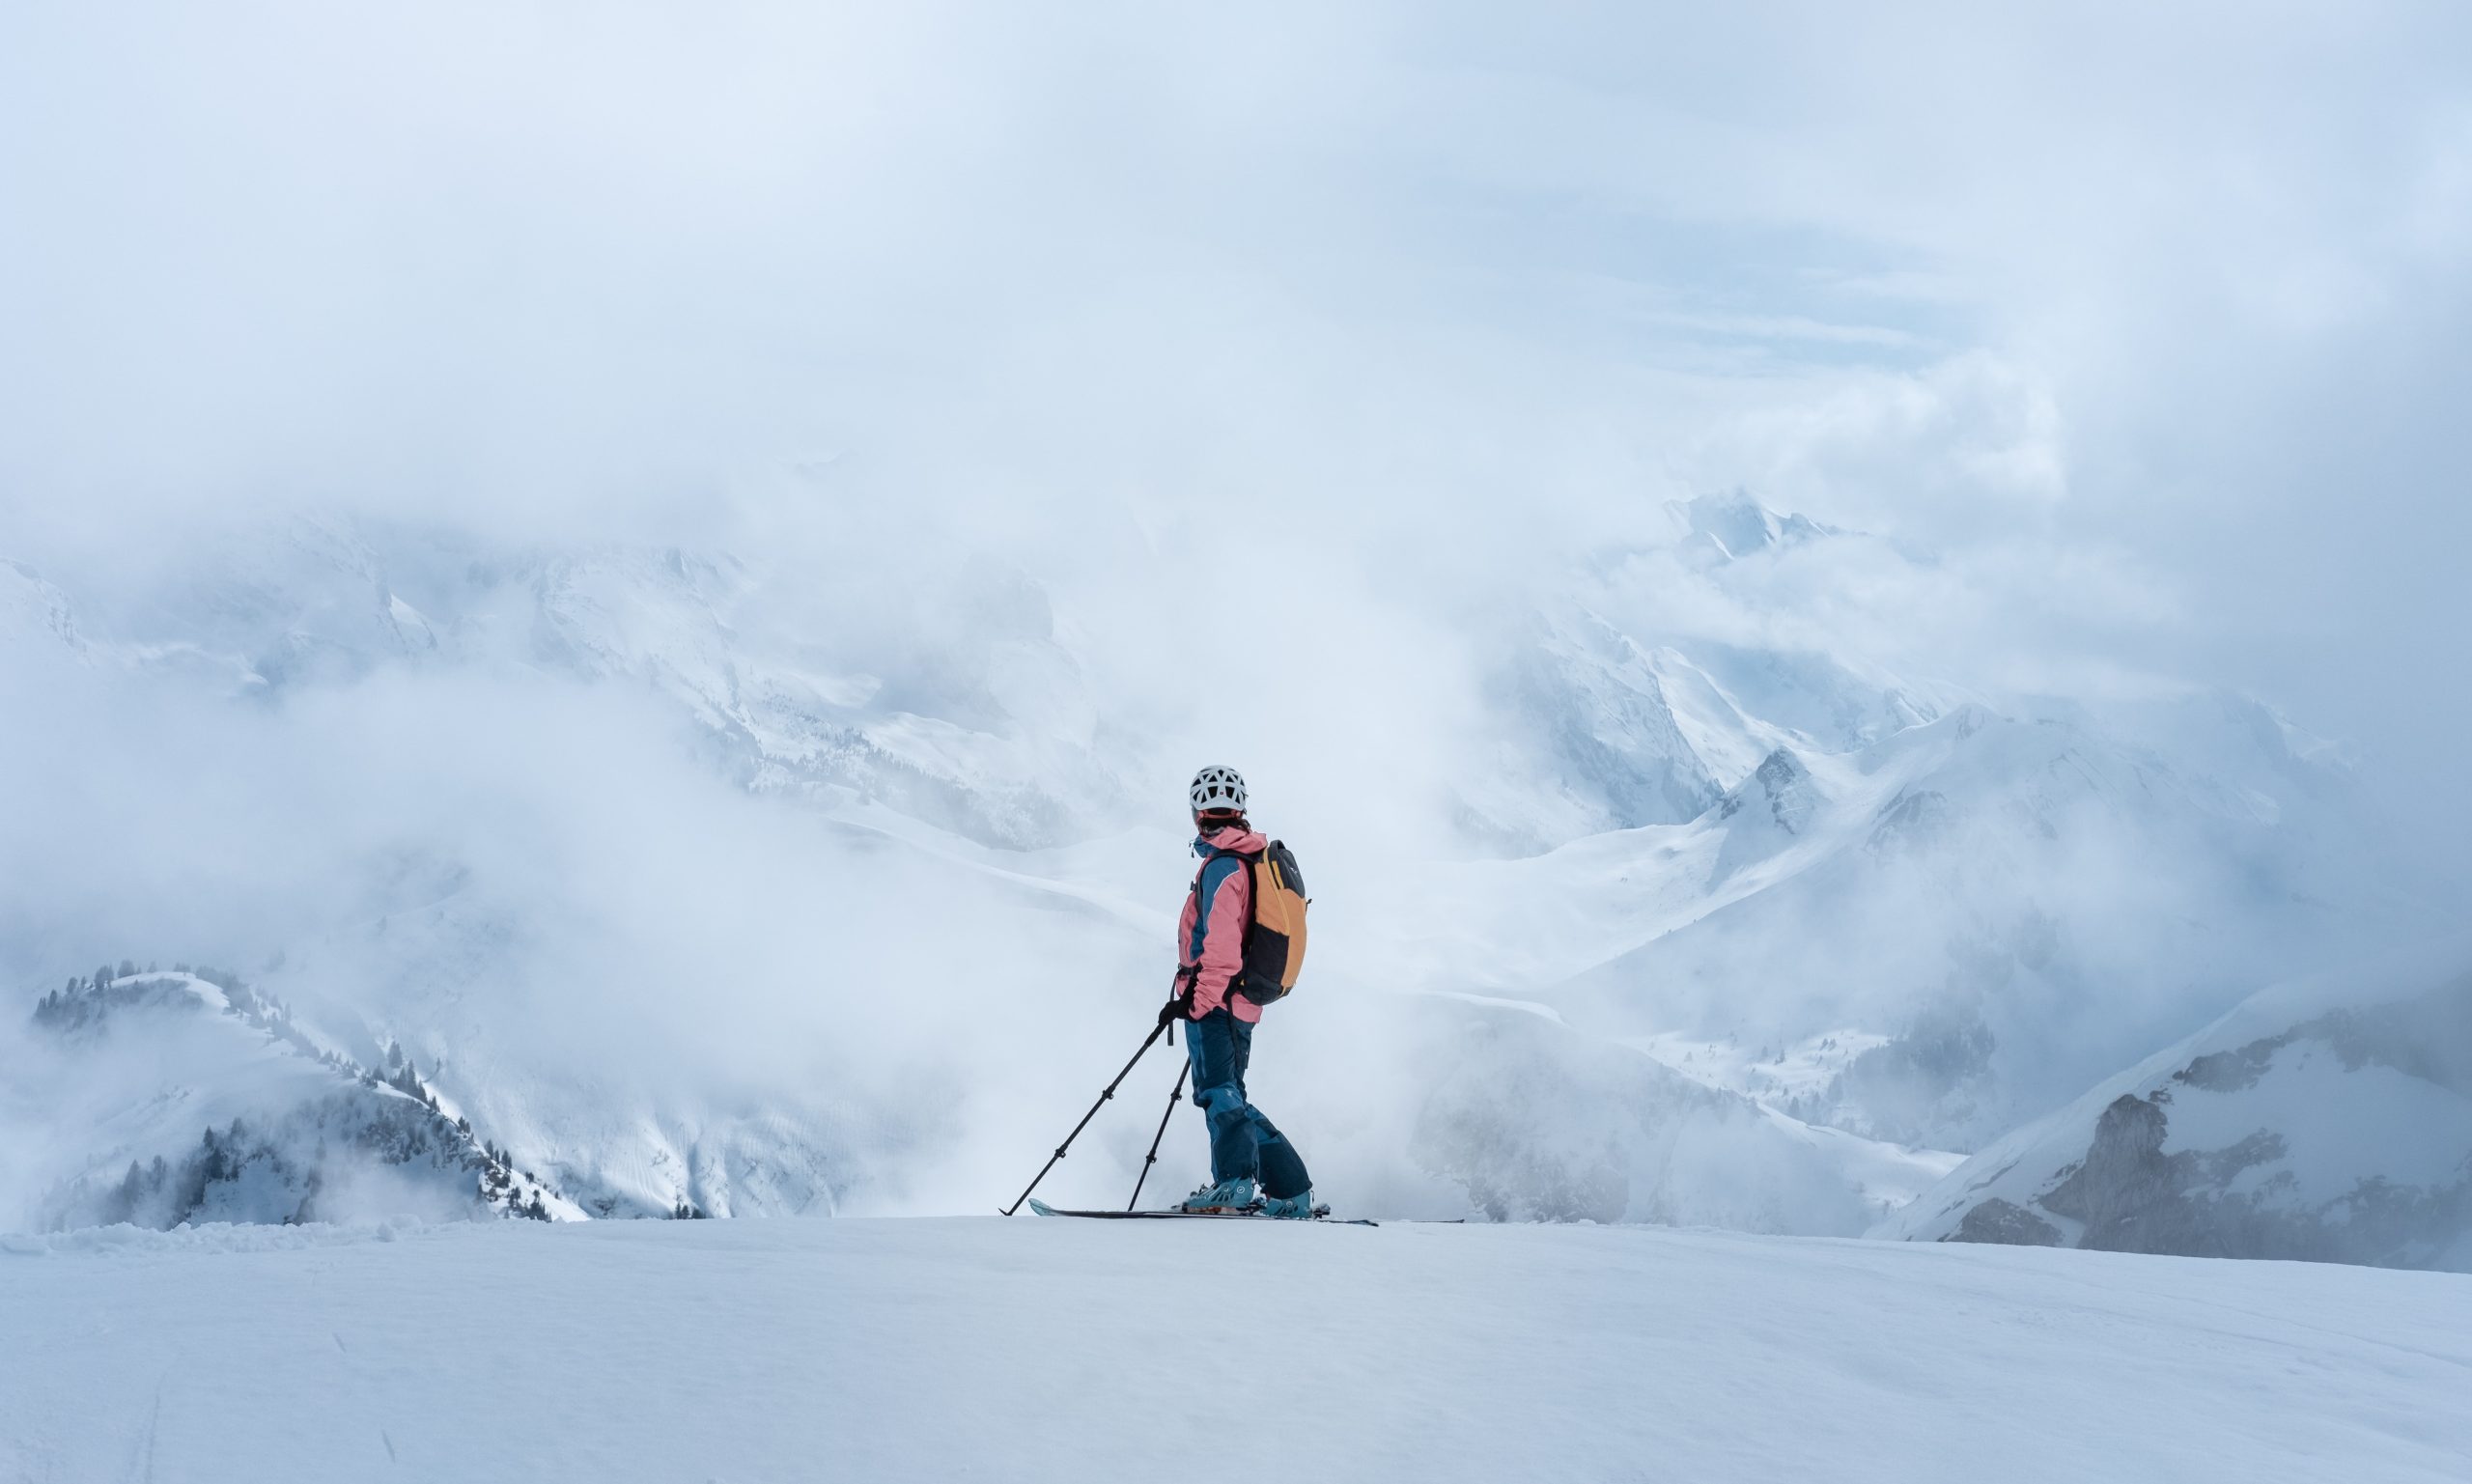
(1321, 1214)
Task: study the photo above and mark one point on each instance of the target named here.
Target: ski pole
(1147, 1044)
(1175, 1096)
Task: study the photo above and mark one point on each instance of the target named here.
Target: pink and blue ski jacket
(1210, 935)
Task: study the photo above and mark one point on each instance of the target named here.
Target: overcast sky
(2155, 316)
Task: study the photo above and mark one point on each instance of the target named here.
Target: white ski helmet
(1219, 788)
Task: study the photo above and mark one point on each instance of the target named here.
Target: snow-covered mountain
(1967, 922)
(2328, 1120)
(983, 727)
(1538, 1122)
(161, 1098)
(695, 881)
(2010, 900)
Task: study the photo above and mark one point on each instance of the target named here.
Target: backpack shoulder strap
(1252, 885)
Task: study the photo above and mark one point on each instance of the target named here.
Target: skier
(1245, 1147)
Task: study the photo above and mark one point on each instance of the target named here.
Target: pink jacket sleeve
(1219, 948)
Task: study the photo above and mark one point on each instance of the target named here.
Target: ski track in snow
(1027, 1349)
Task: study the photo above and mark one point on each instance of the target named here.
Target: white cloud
(1387, 304)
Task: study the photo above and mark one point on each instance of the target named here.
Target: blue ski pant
(1243, 1144)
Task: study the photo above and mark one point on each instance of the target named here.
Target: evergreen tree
(123, 1206)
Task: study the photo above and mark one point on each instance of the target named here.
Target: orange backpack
(1273, 922)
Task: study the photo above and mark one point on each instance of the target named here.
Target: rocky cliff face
(2343, 1135)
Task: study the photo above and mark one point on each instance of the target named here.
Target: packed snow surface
(1036, 1348)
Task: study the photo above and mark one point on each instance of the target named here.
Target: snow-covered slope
(1539, 1123)
(172, 1097)
(981, 723)
(1057, 1350)
(34, 611)
(2328, 1120)
(1984, 912)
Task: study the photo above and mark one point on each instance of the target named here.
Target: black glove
(1180, 1008)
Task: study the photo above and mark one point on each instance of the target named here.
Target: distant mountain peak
(1732, 524)
(1779, 790)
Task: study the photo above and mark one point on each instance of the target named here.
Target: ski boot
(1228, 1198)
(1289, 1208)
